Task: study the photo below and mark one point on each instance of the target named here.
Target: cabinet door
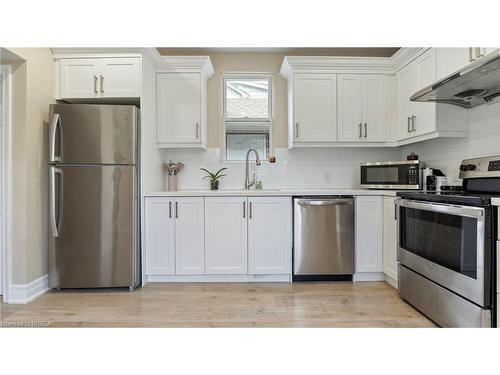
(269, 235)
(406, 82)
(350, 107)
(449, 60)
(120, 78)
(374, 106)
(226, 235)
(390, 238)
(189, 236)
(369, 234)
(178, 108)
(315, 103)
(424, 120)
(79, 78)
(159, 232)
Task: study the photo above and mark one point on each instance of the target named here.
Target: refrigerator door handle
(54, 127)
(56, 217)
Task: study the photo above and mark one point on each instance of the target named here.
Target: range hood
(475, 84)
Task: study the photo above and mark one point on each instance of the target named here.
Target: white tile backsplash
(297, 168)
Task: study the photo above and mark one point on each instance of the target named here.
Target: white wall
(447, 153)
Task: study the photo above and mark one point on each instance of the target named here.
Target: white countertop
(268, 192)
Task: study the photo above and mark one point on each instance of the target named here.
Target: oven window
(448, 240)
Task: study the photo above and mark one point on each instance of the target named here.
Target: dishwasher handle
(325, 202)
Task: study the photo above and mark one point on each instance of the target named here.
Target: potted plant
(214, 177)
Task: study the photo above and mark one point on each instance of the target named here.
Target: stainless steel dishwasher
(323, 247)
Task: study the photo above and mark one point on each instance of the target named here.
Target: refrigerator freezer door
(92, 134)
(97, 239)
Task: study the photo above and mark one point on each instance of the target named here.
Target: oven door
(446, 244)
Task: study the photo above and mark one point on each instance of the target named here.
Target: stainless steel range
(446, 243)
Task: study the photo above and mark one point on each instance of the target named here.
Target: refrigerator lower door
(93, 240)
(93, 134)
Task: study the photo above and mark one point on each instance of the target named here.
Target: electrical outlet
(327, 178)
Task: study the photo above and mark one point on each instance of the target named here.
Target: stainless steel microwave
(403, 174)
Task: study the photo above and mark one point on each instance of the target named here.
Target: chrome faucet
(249, 183)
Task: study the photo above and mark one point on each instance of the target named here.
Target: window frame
(272, 105)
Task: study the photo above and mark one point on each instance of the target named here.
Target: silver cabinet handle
(176, 210)
(360, 130)
(296, 130)
(366, 130)
(197, 130)
(413, 127)
(244, 209)
(55, 126)
(56, 217)
(170, 209)
(408, 125)
(95, 84)
(250, 210)
(102, 84)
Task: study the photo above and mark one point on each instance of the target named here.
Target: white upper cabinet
(120, 78)
(424, 114)
(189, 236)
(375, 109)
(449, 60)
(79, 78)
(369, 234)
(269, 235)
(315, 114)
(226, 235)
(178, 108)
(181, 109)
(85, 78)
(362, 107)
(350, 107)
(416, 118)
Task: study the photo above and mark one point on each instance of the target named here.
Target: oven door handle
(445, 208)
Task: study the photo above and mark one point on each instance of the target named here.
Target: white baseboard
(220, 279)
(369, 276)
(391, 281)
(26, 293)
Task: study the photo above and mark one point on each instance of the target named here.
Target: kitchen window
(247, 103)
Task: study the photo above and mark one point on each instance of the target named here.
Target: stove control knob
(463, 167)
(471, 167)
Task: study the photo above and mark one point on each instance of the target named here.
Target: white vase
(172, 182)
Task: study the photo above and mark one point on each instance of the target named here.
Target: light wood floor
(340, 304)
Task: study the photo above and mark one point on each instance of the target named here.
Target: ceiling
(334, 51)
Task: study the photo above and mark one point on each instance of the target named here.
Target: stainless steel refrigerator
(94, 196)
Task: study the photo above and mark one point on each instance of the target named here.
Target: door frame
(5, 193)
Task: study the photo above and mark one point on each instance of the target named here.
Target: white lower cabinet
(269, 235)
(390, 238)
(174, 236)
(369, 238)
(159, 236)
(218, 236)
(189, 236)
(226, 235)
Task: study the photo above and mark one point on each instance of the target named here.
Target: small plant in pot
(214, 177)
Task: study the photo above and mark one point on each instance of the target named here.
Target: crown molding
(339, 64)
(173, 64)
